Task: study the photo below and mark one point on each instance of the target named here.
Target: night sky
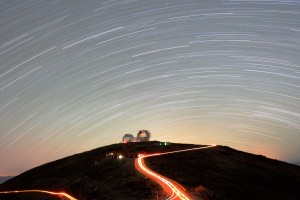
(77, 75)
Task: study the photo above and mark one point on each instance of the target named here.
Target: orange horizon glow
(8, 175)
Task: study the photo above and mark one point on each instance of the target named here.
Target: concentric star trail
(77, 75)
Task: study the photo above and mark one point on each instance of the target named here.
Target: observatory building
(128, 138)
(142, 136)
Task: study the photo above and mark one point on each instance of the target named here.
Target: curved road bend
(174, 190)
(61, 195)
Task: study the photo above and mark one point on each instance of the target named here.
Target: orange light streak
(63, 194)
(173, 189)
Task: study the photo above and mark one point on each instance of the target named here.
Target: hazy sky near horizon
(76, 75)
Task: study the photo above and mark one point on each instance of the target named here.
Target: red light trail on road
(173, 189)
(59, 194)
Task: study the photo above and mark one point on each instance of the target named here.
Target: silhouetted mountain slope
(215, 173)
(4, 178)
(90, 175)
(225, 173)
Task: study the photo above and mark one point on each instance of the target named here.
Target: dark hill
(225, 173)
(91, 175)
(215, 173)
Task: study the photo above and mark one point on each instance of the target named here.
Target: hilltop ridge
(216, 173)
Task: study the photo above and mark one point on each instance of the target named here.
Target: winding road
(174, 190)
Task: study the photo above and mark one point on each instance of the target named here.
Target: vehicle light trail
(173, 189)
(61, 195)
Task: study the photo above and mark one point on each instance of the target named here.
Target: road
(174, 190)
(61, 195)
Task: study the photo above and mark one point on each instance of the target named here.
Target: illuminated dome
(143, 136)
(128, 138)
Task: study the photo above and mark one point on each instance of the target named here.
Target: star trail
(77, 75)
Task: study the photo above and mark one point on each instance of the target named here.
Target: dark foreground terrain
(92, 175)
(225, 173)
(215, 173)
